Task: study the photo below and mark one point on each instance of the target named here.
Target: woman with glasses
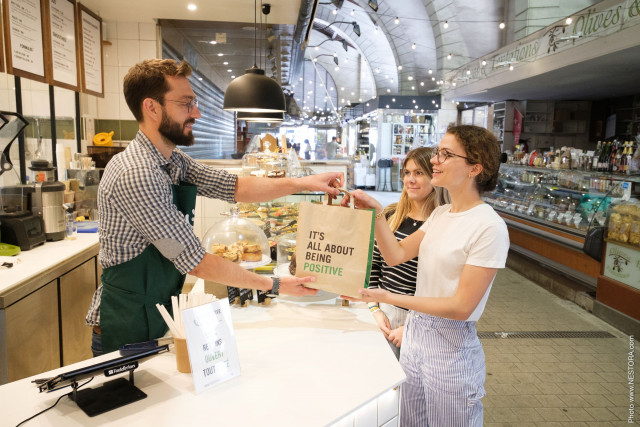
(460, 248)
(418, 199)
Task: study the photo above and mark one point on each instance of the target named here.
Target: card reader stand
(110, 395)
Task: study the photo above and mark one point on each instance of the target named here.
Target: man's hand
(292, 285)
(325, 182)
(383, 322)
(395, 336)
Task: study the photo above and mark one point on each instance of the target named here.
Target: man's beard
(173, 131)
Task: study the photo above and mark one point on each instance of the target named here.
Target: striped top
(400, 279)
(135, 205)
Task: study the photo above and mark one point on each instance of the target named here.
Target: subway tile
(111, 80)
(128, 53)
(148, 49)
(124, 111)
(147, 31)
(108, 106)
(110, 53)
(128, 31)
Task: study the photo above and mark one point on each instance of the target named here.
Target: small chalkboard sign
(239, 295)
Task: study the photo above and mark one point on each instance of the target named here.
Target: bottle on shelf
(596, 157)
(613, 158)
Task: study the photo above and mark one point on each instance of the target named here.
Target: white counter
(303, 364)
(34, 262)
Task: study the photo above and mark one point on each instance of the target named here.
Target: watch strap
(275, 290)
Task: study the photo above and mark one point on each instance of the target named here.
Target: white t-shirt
(477, 237)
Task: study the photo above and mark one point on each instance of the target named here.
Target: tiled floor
(551, 381)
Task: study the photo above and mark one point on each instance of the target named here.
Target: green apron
(131, 290)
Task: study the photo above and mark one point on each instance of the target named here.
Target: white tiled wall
(131, 42)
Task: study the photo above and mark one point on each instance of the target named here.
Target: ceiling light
(449, 56)
(501, 26)
(192, 7)
(352, 12)
(468, 72)
(433, 79)
(254, 91)
(453, 84)
(373, 4)
(484, 62)
(225, 63)
(229, 70)
(413, 88)
(433, 102)
(510, 67)
(421, 83)
(375, 30)
(397, 20)
(399, 67)
(568, 21)
(445, 25)
(413, 46)
(410, 77)
(261, 117)
(213, 42)
(335, 11)
(388, 90)
(221, 54)
(430, 71)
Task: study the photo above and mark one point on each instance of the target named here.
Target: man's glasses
(443, 155)
(189, 104)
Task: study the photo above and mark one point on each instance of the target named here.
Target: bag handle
(326, 200)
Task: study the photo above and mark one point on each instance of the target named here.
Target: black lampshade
(261, 117)
(373, 4)
(254, 92)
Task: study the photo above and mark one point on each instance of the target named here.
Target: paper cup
(182, 355)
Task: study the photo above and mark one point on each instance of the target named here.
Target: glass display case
(564, 200)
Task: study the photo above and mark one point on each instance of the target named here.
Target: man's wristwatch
(275, 290)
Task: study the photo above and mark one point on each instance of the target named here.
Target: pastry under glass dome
(240, 237)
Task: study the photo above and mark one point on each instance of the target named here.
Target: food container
(271, 165)
(238, 240)
(286, 249)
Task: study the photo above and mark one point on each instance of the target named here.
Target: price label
(211, 343)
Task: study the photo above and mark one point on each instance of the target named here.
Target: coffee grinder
(47, 199)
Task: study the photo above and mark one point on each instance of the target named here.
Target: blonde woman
(418, 199)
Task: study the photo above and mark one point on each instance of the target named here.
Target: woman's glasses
(443, 155)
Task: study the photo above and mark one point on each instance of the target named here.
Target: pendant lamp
(261, 117)
(254, 92)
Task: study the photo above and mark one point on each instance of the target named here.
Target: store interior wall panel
(556, 252)
(620, 296)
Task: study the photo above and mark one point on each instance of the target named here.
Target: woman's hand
(395, 336)
(369, 295)
(383, 322)
(292, 285)
(362, 201)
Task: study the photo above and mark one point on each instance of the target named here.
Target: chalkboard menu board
(90, 38)
(26, 41)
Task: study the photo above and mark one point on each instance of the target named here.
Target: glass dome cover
(238, 240)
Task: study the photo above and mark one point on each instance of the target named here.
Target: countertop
(238, 162)
(304, 362)
(29, 264)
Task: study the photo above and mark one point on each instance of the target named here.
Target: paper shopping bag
(335, 244)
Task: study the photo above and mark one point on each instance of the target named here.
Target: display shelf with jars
(538, 117)
(548, 211)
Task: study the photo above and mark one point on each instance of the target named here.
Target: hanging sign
(211, 344)
(64, 54)
(24, 42)
(90, 38)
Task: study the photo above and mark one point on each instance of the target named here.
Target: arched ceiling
(407, 56)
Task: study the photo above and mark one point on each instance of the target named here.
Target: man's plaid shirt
(135, 205)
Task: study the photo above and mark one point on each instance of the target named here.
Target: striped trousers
(444, 363)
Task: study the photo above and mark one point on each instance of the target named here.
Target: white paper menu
(211, 343)
(92, 52)
(63, 41)
(25, 28)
